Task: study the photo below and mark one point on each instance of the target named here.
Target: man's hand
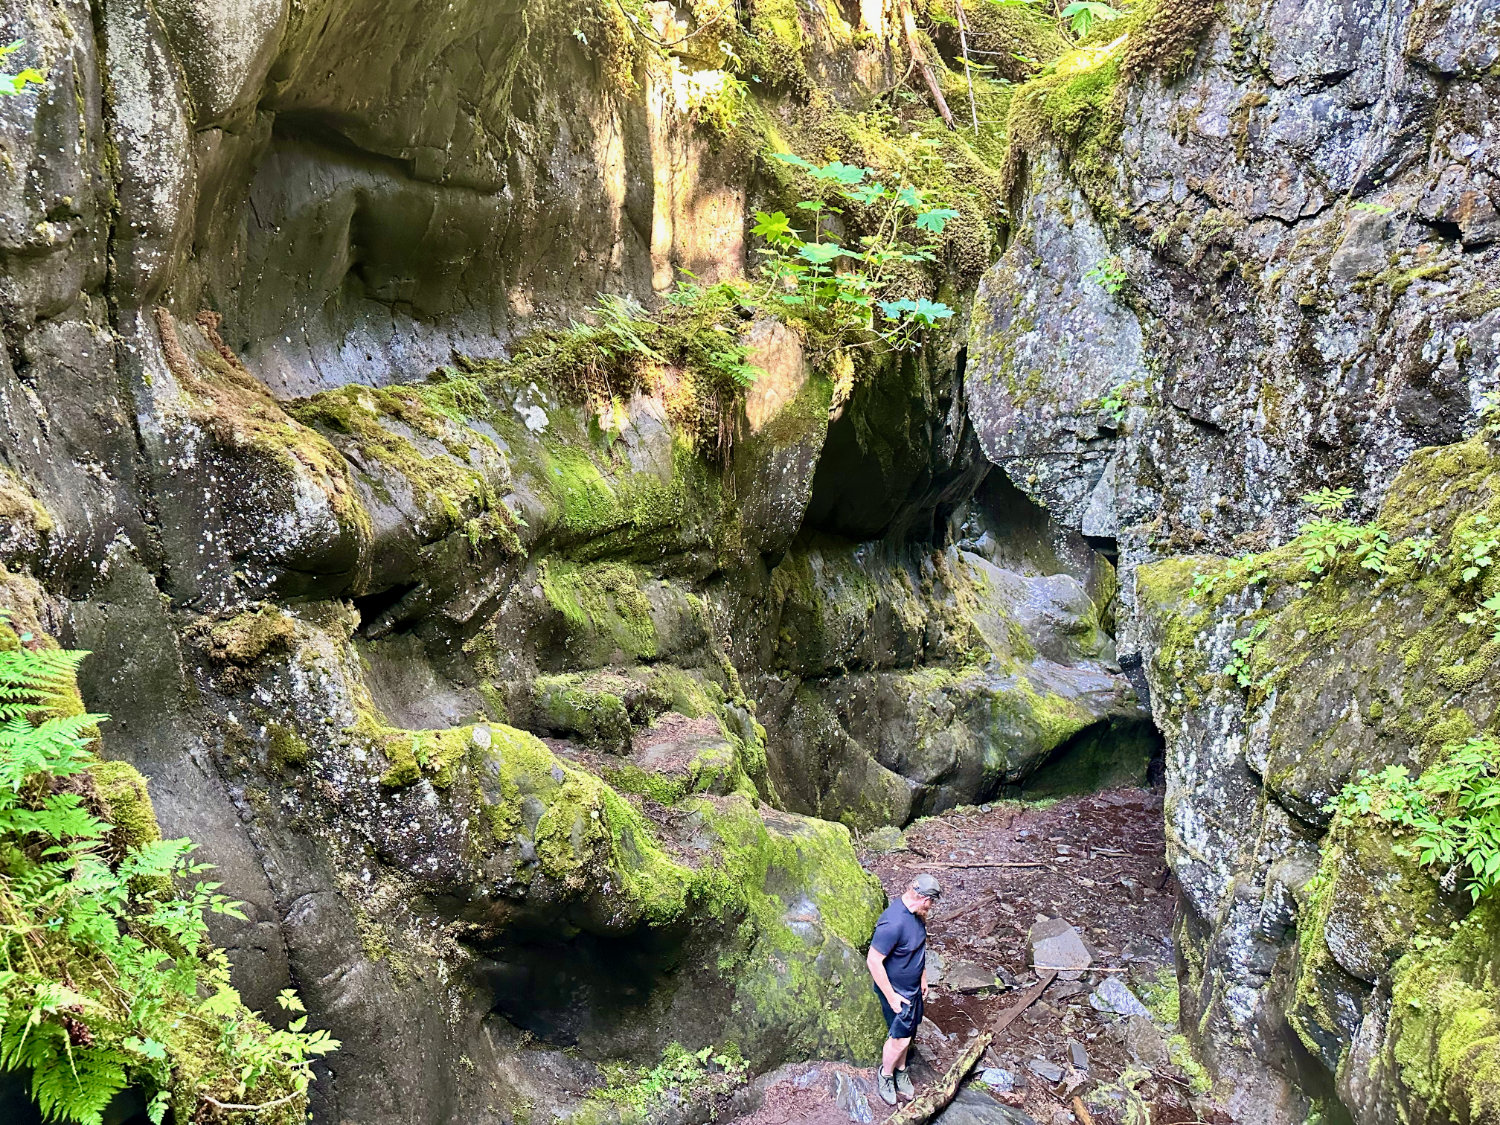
(924, 990)
(896, 1000)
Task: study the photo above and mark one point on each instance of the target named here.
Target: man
(898, 965)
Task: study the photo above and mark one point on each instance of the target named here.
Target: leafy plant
(1081, 15)
(1110, 274)
(1328, 499)
(682, 1075)
(1476, 544)
(1247, 567)
(1238, 668)
(846, 290)
(1487, 614)
(17, 83)
(107, 976)
(1448, 815)
(1322, 540)
(1489, 409)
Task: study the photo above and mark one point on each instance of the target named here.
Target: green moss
(129, 803)
(1159, 992)
(412, 755)
(1164, 36)
(583, 707)
(1444, 1030)
(1180, 1052)
(605, 607)
(247, 637)
(1076, 109)
(444, 480)
(285, 749)
(775, 50)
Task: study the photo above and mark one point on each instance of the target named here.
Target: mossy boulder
(1442, 1041)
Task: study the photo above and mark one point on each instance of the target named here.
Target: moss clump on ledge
(247, 637)
(606, 611)
(412, 755)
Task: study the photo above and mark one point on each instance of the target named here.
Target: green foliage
(1448, 815)
(1322, 540)
(107, 977)
(1110, 274)
(1081, 15)
(1489, 410)
(17, 83)
(1242, 568)
(1238, 668)
(851, 293)
(1476, 544)
(681, 1076)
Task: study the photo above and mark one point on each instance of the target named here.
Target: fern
(107, 977)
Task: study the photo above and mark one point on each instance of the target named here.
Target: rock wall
(1255, 255)
(529, 728)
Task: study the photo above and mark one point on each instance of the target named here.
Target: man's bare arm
(875, 961)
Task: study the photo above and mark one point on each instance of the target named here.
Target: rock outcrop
(501, 688)
(1255, 256)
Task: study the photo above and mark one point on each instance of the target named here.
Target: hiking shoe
(903, 1084)
(885, 1086)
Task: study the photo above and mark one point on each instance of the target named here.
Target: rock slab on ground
(1057, 945)
(1114, 996)
(973, 1107)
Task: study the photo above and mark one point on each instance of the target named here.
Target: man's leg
(893, 1058)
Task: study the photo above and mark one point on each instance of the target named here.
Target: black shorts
(902, 1024)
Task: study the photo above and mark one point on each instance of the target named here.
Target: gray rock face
(1302, 304)
(1303, 223)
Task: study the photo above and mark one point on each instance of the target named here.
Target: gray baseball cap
(926, 886)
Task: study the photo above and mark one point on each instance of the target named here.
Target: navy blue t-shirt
(901, 938)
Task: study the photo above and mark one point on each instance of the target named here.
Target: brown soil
(1098, 863)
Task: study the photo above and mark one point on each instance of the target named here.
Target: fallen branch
(909, 25)
(970, 909)
(231, 1107)
(1007, 1017)
(935, 1100)
(963, 46)
(1082, 1111)
(966, 866)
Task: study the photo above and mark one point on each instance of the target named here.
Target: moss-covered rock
(1443, 1035)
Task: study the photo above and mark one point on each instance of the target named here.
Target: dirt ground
(1096, 861)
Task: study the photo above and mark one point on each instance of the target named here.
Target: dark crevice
(1109, 753)
(380, 613)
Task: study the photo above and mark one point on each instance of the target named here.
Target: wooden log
(909, 25)
(1007, 1017)
(929, 1104)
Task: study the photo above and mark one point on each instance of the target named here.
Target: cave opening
(604, 995)
(1112, 753)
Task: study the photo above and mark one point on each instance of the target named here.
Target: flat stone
(966, 976)
(973, 1106)
(1112, 996)
(1144, 1042)
(998, 1078)
(1078, 1055)
(1045, 1070)
(1057, 945)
